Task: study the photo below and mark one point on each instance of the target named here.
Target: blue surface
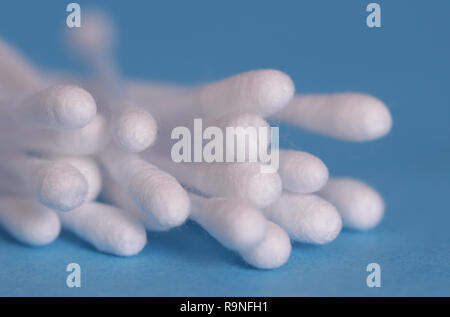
(325, 46)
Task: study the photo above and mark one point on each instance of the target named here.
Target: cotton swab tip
(274, 90)
(60, 186)
(28, 221)
(173, 205)
(375, 117)
(135, 130)
(58, 107)
(233, 222)
(107, 228)
(91, 172)
(302, 172)
(263, 189)
(263, 92)
(307, 218)
(360, 206)
(325, 223)
(74, 106)
(272, 252)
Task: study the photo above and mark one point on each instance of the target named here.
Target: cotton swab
(239, 180)
(302, 172)
(158, 194)
(16, 75)
(360, 206)
(118, 195)
(89, 168)
(28, 221)
(307, 218)
(348, 116)
(261, 92)
(272, 252)
(55, 183)
(61, 120)
(133, 128)
(236, 224)
(107, 228)
(58, 107)
(90, 139)
(96, 38)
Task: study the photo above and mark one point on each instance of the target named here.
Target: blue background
(325, 46)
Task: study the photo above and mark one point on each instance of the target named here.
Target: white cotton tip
(59, 185)
(244, 134)
(360, 206)
(307, 218)
(272, 252)
(28, 221)
(260, 91)
(347, 116)
(135, 129)
(247, 181)
(116, 194)
(159, 195)
(91, 172)
(95, 36)
(163, 201)
(261, 189)
(107, 228)
(60, 107)
(302, 172)
(234, 223)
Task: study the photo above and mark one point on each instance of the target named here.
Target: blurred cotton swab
(28, 221)
(158, 194)
(118, 195)
(241, 227)
(234, 223)
(307, 218)
(59, 107)
(87, 167)
(272, 252)
(55, 183)
(239, 180)
(133, 128)
(360, 206)
(16, 75)
(261, 92)
(91, 172)
(107, 228)
(347, 116)
(302, 172)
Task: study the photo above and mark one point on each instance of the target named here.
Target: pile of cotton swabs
(63, 146)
